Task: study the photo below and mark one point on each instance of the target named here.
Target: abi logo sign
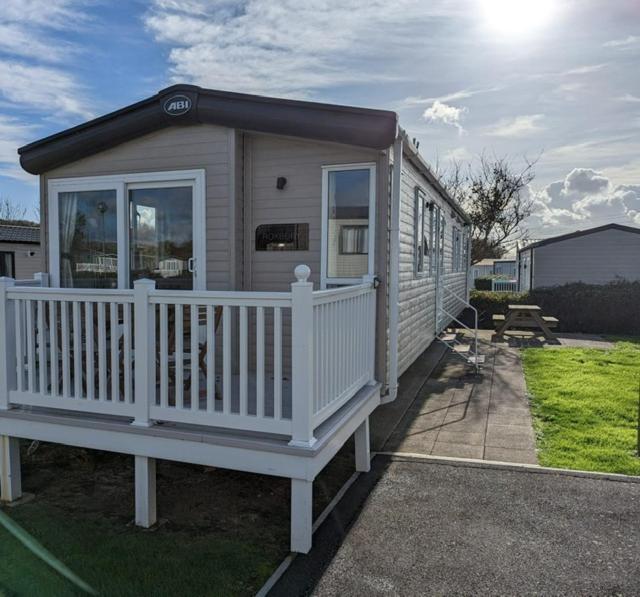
(177, 105)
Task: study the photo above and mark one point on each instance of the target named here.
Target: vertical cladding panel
(596, 258)
(417, 294)
(175, 148)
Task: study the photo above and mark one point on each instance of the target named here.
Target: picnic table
(525, 316)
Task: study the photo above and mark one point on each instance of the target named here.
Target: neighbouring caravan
(254, 273)
(593, 256)
(20, 255)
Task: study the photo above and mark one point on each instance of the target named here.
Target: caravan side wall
(417, 295)
(596, 258)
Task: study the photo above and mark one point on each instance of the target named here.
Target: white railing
(344, 345)
(504, 285)
(269, 362)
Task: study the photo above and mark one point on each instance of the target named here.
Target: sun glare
(517, 16)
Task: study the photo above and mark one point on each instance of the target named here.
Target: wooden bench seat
(498, 320)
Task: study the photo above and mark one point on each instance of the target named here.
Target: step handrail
(475, 315)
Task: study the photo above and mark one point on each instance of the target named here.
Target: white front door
(108, 231)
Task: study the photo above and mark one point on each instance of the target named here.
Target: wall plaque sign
(282, 237)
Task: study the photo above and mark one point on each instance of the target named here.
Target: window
(443, 224)
(434, 218)
(423, 234)
(7, 264)
(465, 250)
(457, 249)
(348, 194)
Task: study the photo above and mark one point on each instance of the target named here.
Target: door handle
(190, 264)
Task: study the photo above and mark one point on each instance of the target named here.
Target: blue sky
(555, 78)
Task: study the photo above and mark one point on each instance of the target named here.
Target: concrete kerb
(508, 466)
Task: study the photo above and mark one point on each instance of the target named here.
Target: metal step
(448, 337)
(461, 348)
(476, 359)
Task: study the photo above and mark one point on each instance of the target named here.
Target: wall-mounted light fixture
(281, 183)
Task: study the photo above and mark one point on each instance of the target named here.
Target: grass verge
(585, 406)
(223, 532)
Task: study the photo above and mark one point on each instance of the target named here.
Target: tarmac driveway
(455, 528)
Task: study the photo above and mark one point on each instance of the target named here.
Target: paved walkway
(461, 414)
(440, 529)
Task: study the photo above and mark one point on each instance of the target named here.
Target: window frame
(423, 228)
(325, 279)
(121, 184)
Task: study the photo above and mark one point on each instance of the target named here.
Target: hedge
(597, 309)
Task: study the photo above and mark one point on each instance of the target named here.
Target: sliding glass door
(108, 231)
(161, 236)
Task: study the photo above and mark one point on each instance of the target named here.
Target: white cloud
(445, 114)
(516, 127)
(13, 134)
(30, 39)
(586, 198)
(623, 43)
(586, 70)
(628, 97)
(450, 97)
(46, 89)
(290, 47)
(585, 181)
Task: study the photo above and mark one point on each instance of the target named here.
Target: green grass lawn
(117, 561)
(585, 406)
(223, 532)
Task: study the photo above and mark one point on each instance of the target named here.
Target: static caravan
(230, 280)
(20, 255)
(593, 256)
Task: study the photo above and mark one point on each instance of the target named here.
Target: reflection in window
(354, 240)
(88, 239)
(161, 236)
(348, 226)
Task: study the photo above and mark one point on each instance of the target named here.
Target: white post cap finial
(302, 273)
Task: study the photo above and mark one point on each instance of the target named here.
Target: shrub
(483, 283)
(588, 308)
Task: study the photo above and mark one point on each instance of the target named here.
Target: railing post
(42, 278)
(371, 332)
(144, 342)
(302, 359)
(7, 343)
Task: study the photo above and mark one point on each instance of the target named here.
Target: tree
(12, 212)
(495, 196)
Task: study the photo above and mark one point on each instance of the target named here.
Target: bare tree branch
(495, 197)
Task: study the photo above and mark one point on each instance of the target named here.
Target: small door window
(348, 208)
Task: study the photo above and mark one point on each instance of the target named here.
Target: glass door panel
(161, 236)
(87, 227)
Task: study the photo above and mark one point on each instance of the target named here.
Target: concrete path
(461, 414)
(452, 529)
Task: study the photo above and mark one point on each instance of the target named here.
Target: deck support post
(10, 478)
(145, 473)
(363, 454)
(301, 515)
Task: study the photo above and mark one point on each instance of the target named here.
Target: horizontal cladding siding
(27, 258)
(595, 258)
(417, 295)
(300, 162)
(175, 148)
